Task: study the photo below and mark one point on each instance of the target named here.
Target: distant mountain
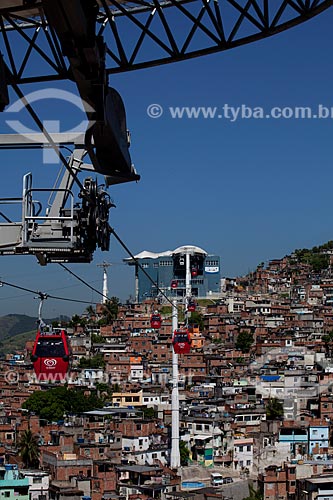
(16, 343)
(15, 324)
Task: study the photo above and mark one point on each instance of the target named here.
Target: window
(138, 427)
(36, 480)
(199, 427)
(248, 448)
(211, 263)
(145, 265)
(101, 451)
(248, 462)
(240, 448)
(140, 442)
(9, 436)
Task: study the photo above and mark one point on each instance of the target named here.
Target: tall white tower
(175, 454)
(105, 266)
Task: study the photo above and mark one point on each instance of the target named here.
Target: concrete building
(12, 484)
(169, 267)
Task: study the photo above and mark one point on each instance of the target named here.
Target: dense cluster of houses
(260, 413)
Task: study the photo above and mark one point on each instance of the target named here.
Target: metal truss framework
(141, 34)
(47, 40)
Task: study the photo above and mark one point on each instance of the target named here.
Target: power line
(37, 292)
(125, 247)
(83, 281)
(41, 127)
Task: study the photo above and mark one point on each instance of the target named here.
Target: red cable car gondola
(191, 306)
(50, 355)
(155, 320)
(181, 341)
(194, 271)
(174, 284)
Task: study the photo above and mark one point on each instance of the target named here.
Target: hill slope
(14, 324)
(16, 343)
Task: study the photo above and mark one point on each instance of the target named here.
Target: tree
(254, 494)
(94, 362)
(196, 318)
(29, 449)
(274, 409)
(184, 452)
(244, 341)
(77, 321)
(327, 339)
(110, 311)
(91, 314)
(148, 413)
(97, 339)
(51, 405)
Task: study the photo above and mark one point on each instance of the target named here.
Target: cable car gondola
(181, 341)
(50, 355)
(194, 271)
(191, 306)
(155, 320)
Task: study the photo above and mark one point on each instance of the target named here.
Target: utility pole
(188, 284)
(175, 454)
(105, 266)
(188, 287)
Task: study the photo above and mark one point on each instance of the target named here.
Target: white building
(243, 453)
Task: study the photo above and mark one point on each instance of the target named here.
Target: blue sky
(248, 191)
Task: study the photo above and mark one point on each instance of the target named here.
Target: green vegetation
(254, 494)
(110, 311)
(16, 324)
(244, 341)
(93, 362)
(207, 302)
(148, 413)
(29, 449)
(17, 343)
(217, 341)
(196, 318)
(97, 339)
(274, 409)
(77, 321)
(315, 257)
(53, 404)
(328, 337)
(165, 310)
(184, 453)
